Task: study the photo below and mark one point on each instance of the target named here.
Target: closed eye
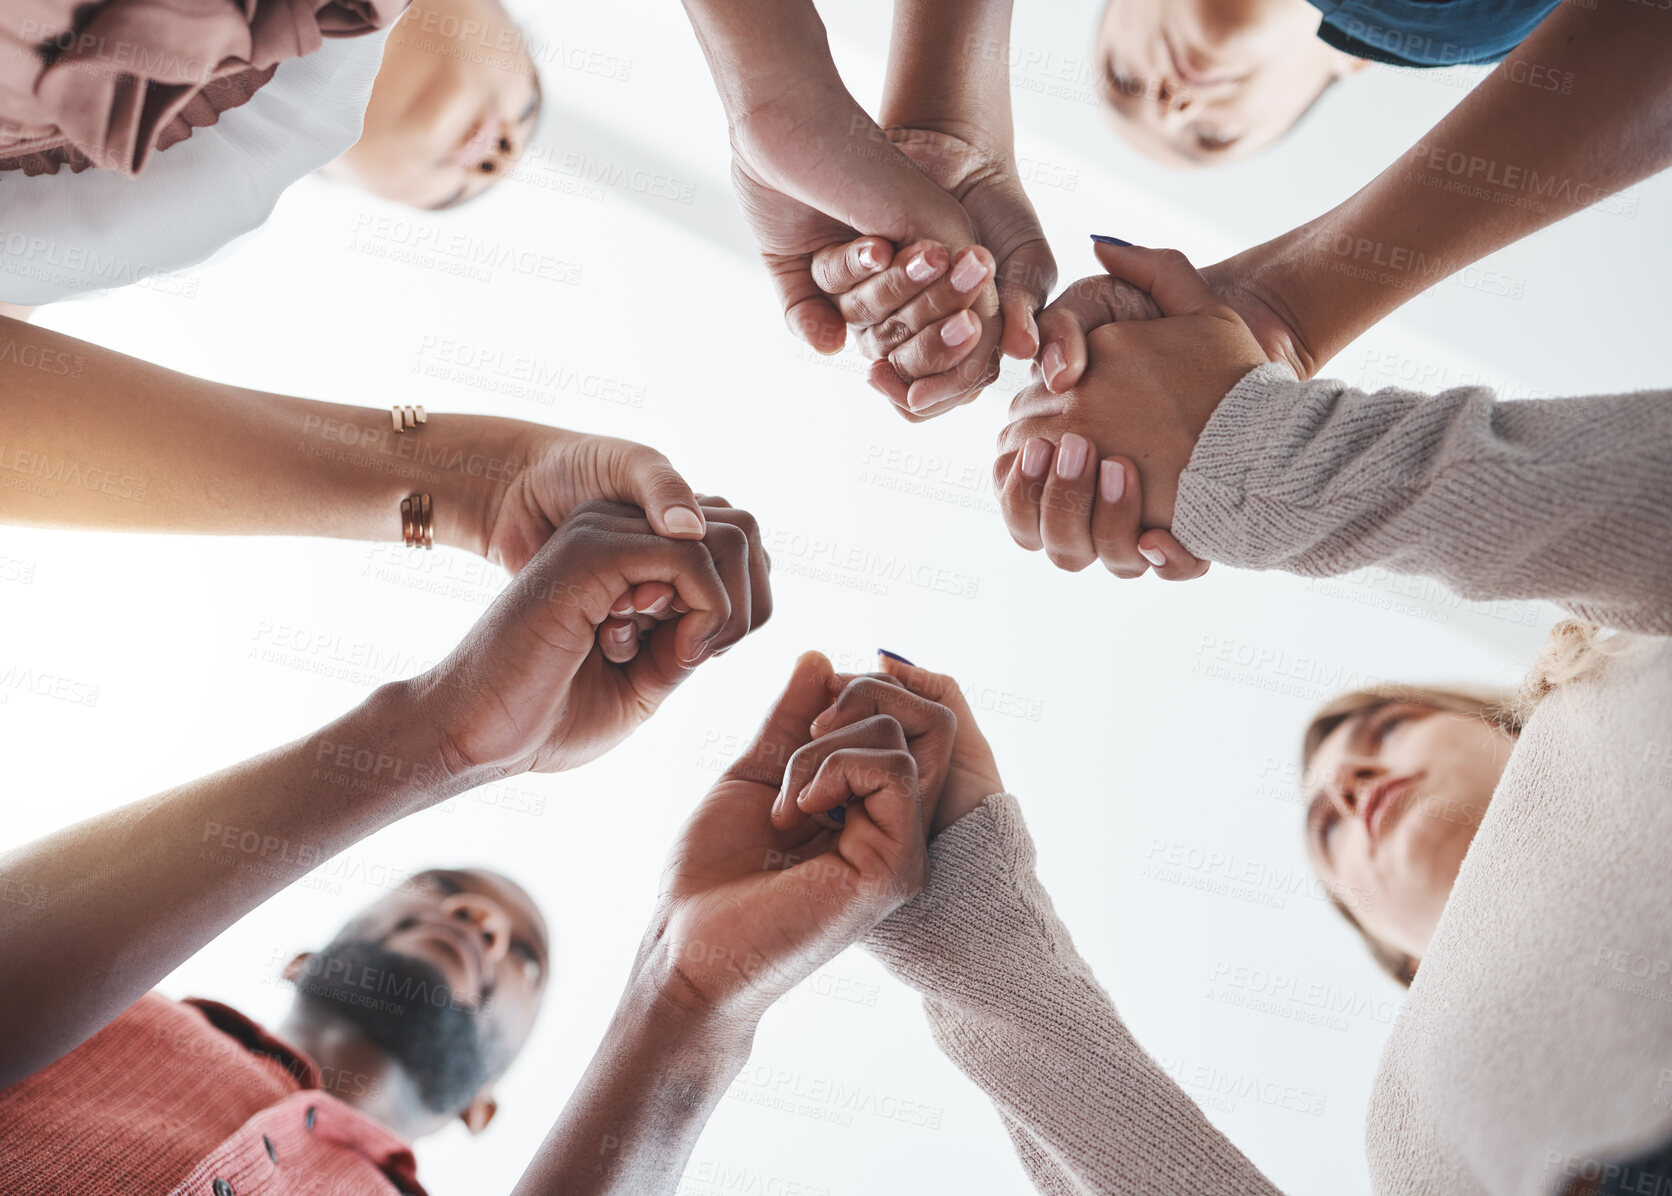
(1321, 819)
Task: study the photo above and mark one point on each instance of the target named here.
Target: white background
(1133, 719)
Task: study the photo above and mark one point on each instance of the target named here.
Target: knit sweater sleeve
(1016, 1008)
(1564, 499)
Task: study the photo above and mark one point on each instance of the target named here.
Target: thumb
(1177, 287)
(1024, 279)
(810, 314)
(641, 475)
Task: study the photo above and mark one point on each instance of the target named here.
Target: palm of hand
(740, 893)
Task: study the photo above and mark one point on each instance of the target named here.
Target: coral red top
(191, 1097)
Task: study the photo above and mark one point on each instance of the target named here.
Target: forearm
(1514, 156)
(635, 1116)
(759, 49)
(92, 439)
(949, 69)
(1012, 1003)
(1561, 499)
(120, 900)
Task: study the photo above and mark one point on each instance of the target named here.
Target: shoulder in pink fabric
(104, 85)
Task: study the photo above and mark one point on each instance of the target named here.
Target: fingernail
(1055, 363)
(699, 651)
(683, 519)
(623, 605)
(839, 815)
(957, 330)
(1154, 556)
(1072, 454)
(1112, 483)
(968, 273)
(867, 257)
(1033, 332)
(661, 604)
(894, 656)
(1103, 240)
(919, 269)
(622, 635)
(1035, 453)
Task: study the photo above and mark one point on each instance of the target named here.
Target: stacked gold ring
(407, 417)
(417, 527)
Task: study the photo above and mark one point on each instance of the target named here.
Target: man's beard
(404, 1005)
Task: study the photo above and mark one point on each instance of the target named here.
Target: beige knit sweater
(1537, 1039)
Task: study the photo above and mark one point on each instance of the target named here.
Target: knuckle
(892, 332)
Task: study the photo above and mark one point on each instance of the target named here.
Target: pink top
(104, 84)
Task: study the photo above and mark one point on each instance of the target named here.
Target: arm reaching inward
(92, 439)
(1564, 499)
(136, 891)
(1015, 1007)
(1510, 159)
(755, 897)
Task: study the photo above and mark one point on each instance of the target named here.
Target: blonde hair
(1573, 650)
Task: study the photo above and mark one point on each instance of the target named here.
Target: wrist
(402, 749)
(480, 460)
(661, 1013)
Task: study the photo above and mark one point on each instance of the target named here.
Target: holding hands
(554, 675)
(1090, 471)
(817, 832)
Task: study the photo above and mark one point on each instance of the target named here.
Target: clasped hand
(817, 832)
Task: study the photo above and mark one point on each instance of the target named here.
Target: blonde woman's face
(1395, 794)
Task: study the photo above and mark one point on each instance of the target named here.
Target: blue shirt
(1431, 32)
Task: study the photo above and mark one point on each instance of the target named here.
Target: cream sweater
(1538, 1035)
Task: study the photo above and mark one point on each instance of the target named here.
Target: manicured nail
(1071, 455)
(1154, 556)
(1103, 240)
(1032, 329)
(867, 257)
(919, 268)
(1055, 363)
(1036, 455)
(623, 605)
(957, 330)
(661, 604)
(838, 815)
(1112, 483)
(894, 656)
(622, 635)
(968, 273)
(683, 519)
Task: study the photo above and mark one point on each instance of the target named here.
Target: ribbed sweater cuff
(1215, 484)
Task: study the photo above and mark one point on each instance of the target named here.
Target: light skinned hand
(553, 471)
(751, 905)
(937, 359)
(812, 170)
(530, 687)
(1082, 473)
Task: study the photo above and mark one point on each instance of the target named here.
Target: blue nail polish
(839, 815)
(1102, 240)
(894, 656)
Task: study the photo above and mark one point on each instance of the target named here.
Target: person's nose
(489, 919)
(1347, 790)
